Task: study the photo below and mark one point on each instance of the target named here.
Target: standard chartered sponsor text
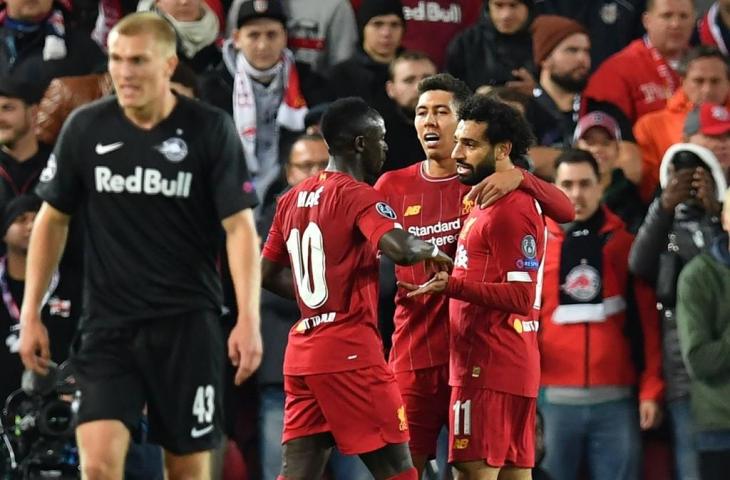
(144, 180)
(441, 233)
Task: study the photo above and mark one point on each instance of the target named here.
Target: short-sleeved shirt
(152, 202)
(432, 209)
(490, 348)
(327, 229)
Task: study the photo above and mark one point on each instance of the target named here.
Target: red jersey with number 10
(432, 209)
(327, 229)
(498, 271)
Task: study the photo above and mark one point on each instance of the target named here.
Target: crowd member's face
(307, 158)
(435, 122)
(717, 144)
(403, 89)
(382, 36)
(508, 16)
(579, 182)
(182, 10)
(669, 25)
(16, 120)
(29, 10)
(262, 41)
(570, 62)
(475, 157)
(18, 234)
(707, 81)
(603, 147)
(140, 69)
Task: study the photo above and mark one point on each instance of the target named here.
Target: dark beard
(480, 172)
(569, 83)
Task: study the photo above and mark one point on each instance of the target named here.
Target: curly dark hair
(504, 123)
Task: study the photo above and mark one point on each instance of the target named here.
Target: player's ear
(502, 150)
(359, 144)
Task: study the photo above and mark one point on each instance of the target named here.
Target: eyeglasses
(309, 167)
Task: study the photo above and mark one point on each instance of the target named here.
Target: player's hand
(650, 414)
(523, 81)
(495, 186)
(440, 263)
(437, 284)
(34, 347)
(245, 349)
(703, 189)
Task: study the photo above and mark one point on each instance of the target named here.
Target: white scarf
(291, 112)
(195, 36)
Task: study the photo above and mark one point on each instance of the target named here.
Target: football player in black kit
(154, 175)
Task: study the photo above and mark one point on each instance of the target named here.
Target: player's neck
(347, 166)
(15, 265)
(148, 116)
(504, 164)
(440, 168)
(24, 148)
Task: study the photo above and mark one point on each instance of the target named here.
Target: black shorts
(174, 366)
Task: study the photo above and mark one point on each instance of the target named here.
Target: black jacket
(483, 56)
(361, 76)
(666, 242)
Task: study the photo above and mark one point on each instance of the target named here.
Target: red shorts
(496, 427)
(426, 394)
(362, 408)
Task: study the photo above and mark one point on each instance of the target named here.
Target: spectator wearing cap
(561, 52)
(265, 90)
(498, 49)
(599, 133)
(37, 46)
(680, 224)
(381, 25)
(705, 78)
(22, 157)
(709, 126)
(60, 313)
(599, 338)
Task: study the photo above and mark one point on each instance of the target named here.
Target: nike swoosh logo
(104, 149)
(195, 433)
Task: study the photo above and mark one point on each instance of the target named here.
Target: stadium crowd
(628, 108)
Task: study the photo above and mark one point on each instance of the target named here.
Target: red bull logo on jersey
(144, 180)
(583, 283)
(433, 12)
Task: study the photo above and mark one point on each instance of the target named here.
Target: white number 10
(308, 265)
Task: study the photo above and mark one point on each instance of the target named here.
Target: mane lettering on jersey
(309, 199)
(144, 180)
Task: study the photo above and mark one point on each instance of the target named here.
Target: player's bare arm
(405, 249)
(244, 343)
(47, 242)
(277, 279)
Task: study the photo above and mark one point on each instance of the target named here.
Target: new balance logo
(144, 180)
(104, 149)
(195, 433)
(412, 210)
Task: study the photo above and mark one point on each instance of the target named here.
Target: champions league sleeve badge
(385, 210)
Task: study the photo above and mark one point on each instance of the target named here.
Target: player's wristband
(435, 251)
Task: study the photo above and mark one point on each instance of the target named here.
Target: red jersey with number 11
(327, 229)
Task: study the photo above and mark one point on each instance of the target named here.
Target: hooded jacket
(599, 353)
(665, 243)
(483, 56)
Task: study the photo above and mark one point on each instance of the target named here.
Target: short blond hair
(148, 22)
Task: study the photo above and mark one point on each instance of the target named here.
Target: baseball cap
(12, 87)
(252, 9)
(708, 119)
(597, 119)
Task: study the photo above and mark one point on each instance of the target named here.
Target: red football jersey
(433, 210)
(498, 272)
(327, 230)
